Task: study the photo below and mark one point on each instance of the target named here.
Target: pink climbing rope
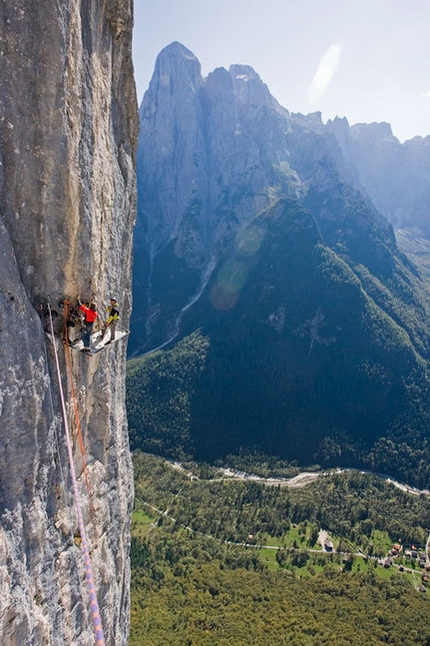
(95, 612)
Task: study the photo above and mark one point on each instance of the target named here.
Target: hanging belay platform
(99, 339)
(98, 342)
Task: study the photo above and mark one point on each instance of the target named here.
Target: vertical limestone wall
(68, 130)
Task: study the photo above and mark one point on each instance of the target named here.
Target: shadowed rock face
(68, 129)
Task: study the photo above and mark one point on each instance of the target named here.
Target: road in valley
(302, 480)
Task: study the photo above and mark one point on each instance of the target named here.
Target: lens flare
(221, 299)
(324, 73)
(232, 276)
(249, 240)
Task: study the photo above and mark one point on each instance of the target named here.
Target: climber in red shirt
(90, 314)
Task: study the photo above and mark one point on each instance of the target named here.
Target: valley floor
(211, 546)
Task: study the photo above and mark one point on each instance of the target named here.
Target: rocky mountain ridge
(394, 175)
(215, 151)
(68, 131)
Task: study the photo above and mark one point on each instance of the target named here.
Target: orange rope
(77, 420)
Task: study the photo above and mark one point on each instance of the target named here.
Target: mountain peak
(177, 49)
(250, 89)
(176, 60)
(243, 72)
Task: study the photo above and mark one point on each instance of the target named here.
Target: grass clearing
(268, 556)
(141, 523)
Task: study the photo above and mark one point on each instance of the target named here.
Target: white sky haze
(366, 60)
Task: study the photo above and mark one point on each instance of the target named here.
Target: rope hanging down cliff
(95, 612)
(77, 421)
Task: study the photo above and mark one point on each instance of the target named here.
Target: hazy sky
(366, 60)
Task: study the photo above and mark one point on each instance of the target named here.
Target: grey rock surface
(68, 129)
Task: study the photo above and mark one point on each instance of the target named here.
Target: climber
(72, 317)
(113, 318)
(90, 315)
(44, 312)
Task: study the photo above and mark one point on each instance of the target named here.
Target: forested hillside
(299, 352)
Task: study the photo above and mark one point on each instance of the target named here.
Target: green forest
(220, 560)
(176, 401)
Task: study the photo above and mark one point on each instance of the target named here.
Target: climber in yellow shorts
(113, 318)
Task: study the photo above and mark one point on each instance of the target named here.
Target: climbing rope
(56, 439)
(95, 612)
(77, 420)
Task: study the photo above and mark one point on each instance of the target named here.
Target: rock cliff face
(68, 129)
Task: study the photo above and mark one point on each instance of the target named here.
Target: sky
(366, 60)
